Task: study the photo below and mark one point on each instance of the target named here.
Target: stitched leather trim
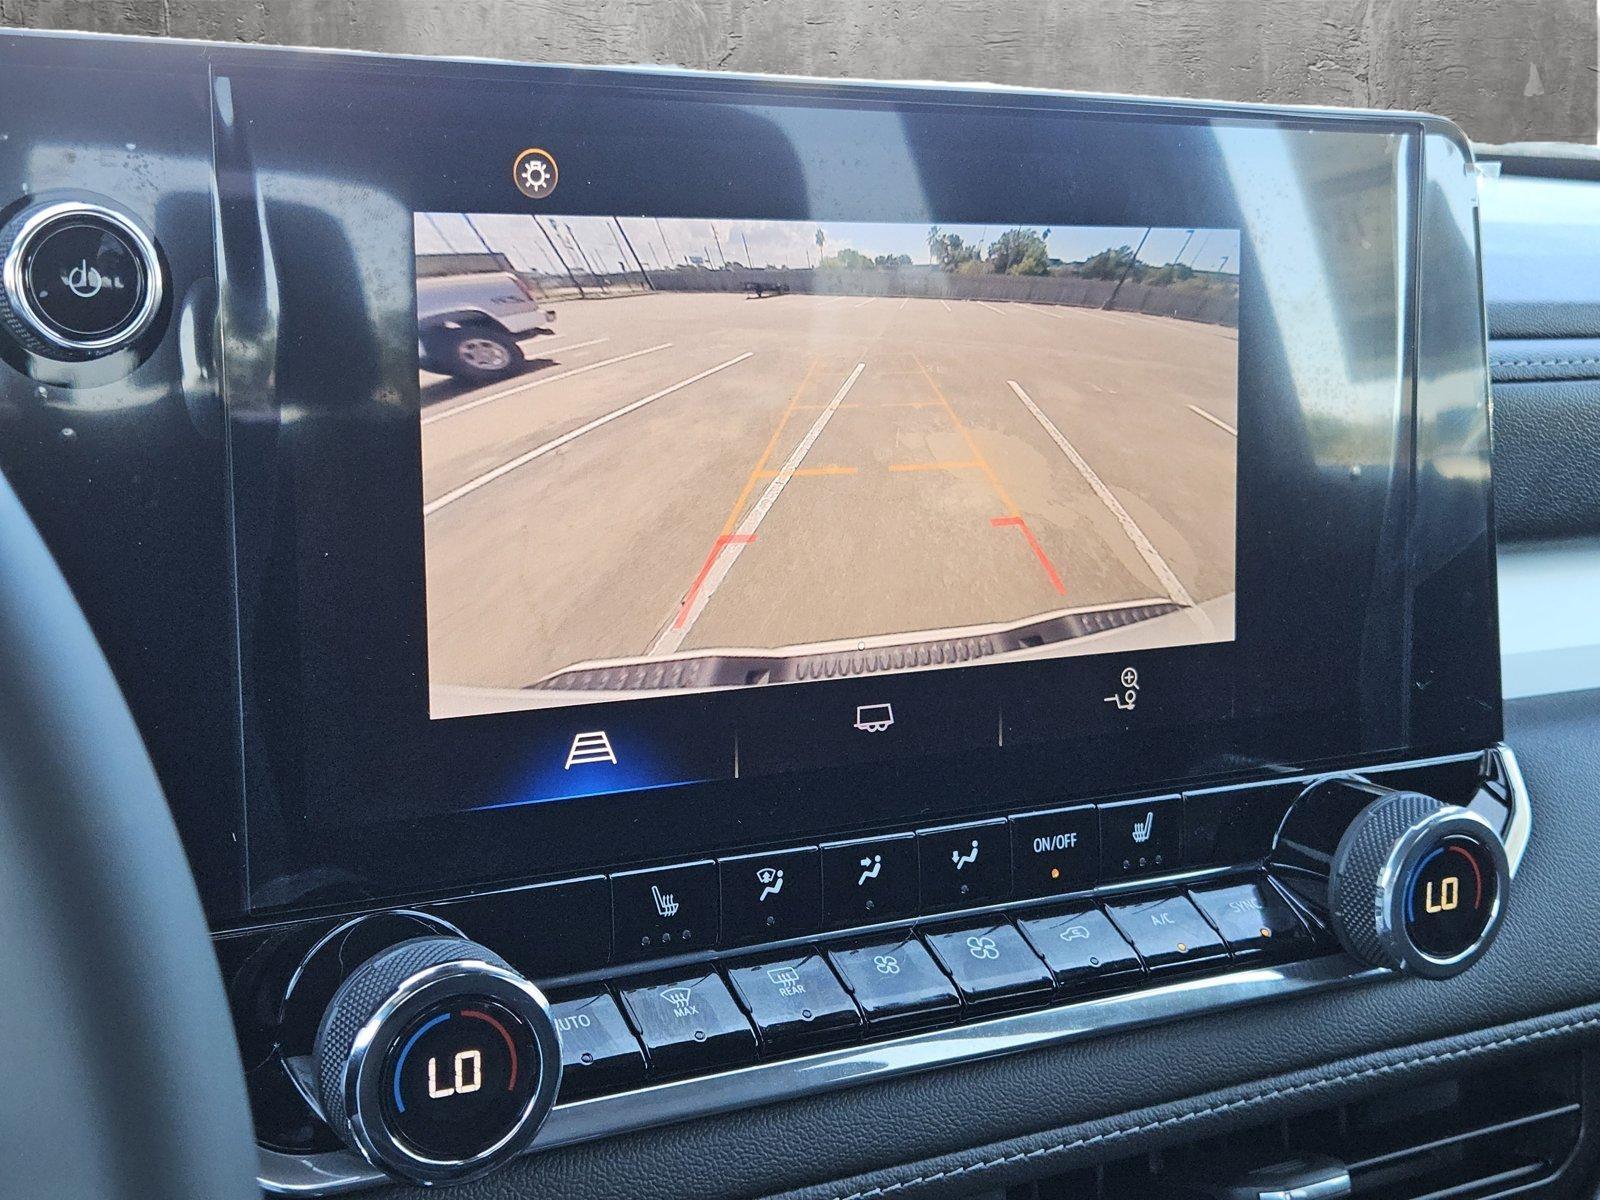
(1308, 1088)
(1547, 362)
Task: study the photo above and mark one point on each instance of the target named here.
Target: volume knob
(78, 280)
(436, 1061)
(1418, 886)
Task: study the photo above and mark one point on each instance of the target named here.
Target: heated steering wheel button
(690, 1024)
(1168, 932)
(991, 964)
(598, 1051)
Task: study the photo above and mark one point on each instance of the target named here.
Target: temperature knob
(1408, 882)
(436, 1061)
(1418, 886)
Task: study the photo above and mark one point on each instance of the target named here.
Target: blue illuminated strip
(1411, 887)
(583, 794)
(400, 1063)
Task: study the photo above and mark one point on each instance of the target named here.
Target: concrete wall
(1216, 307)
(1504, 69)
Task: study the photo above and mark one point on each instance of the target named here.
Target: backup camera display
(681, 455)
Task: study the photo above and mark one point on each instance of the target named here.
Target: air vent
(1510, 1130)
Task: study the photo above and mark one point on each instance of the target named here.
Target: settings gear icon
(534, 173)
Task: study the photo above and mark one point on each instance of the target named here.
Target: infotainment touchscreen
(676, 455)
(632, 467)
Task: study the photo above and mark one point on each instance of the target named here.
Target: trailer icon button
(874, 718)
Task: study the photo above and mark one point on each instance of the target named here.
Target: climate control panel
(415, 1039)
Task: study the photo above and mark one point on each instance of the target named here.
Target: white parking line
(1083, 309)
(547, 343)
(990, 307)
(946, 306)
(1147, 551)
(1213, 418)
(865, 302)
(523, 460)
(903, 303)
(523, 387)
(678, 628)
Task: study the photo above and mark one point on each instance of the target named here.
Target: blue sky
(527, 241)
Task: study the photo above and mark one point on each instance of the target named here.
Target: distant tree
(1020, 252)
(1108, 264)
(1173, 272)
(890, 261)
(948, 251)
(848, 259)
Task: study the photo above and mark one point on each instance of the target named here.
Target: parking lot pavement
(680, 472)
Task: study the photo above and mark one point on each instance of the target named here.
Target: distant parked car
(469, 325)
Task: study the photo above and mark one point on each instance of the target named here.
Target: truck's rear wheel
(474, 352)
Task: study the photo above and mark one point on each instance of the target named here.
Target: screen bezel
(299, 858)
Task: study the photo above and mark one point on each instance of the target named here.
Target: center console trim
(729, 1091)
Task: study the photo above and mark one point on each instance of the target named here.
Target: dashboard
(673, 611)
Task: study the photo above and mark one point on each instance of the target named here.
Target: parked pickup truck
(468, 325)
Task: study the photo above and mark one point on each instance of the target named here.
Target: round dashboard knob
(78, 280)
(1418, 886)
(436, 1061)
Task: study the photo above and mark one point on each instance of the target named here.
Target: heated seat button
(1056, 852)
(963, 866)
(990, 963)
(1141, 837)
(795, 1000)
(769, 897)
(1168, 931)
(664, 910)
(598, 1051)
(690, 1024)
(895, 980)
(868, 881)
(1251, 917)
(1080, 946)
